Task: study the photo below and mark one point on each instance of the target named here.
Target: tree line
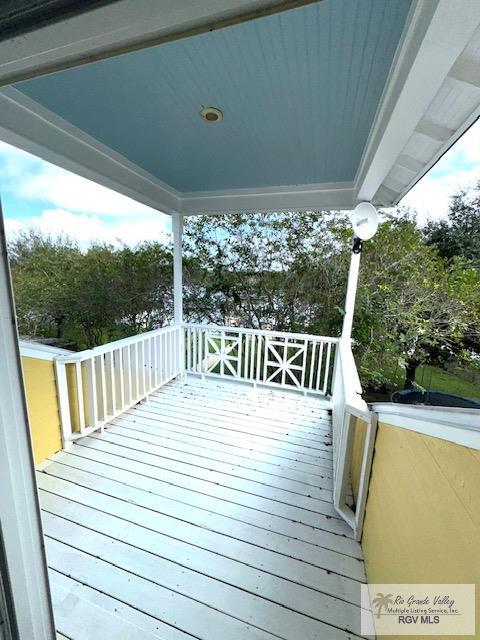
(418, 299)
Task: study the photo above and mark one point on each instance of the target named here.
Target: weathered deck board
(204, 513)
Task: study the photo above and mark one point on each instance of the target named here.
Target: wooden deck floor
(204, 513)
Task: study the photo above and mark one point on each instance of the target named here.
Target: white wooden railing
(288, 360)
(96, 385)
(348, 407)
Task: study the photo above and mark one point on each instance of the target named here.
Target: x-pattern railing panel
(273, 358)
(283, 364)
(224, 352)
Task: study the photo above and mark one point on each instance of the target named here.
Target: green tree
(95, 309)
(414, 307)
(43, 273)
(143, 281)
(269, 271)
(92, 297)
(459, 234)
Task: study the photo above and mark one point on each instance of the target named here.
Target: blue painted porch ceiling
(299, 91)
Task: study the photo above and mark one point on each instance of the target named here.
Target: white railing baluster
(195, 361)
(80, 398)
(143, 371)
(101, 390)
(110, 377)
(134, 368)
(91, 393)
(148, 368)
(319, 367)
(119, 378)
(200, 351)
(266, 342)
(304, 364)
(253, 339)
(189, 349)
(163, 351)
(127, 376)
(312, 365)
(327, 368)
(260, 340)
(284, 362)
(222, 352)
(239, 356)
(153, 363)
(156, 377)
(207, 352)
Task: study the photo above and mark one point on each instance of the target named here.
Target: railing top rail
(79, 356)
(263, 332)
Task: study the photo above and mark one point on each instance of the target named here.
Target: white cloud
(69, 191)
(28, 177)
(88, 228)
(71, 205)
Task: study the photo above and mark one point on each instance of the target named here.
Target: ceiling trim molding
(435, 36)
(27, 125)
(122, 26)
(285, 198)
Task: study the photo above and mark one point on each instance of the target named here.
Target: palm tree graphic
(382, 601)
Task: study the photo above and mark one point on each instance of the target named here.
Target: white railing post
(177, 231)
(63, 403)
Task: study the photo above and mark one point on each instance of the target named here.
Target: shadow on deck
(205, 512)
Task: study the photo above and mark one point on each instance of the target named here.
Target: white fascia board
(461, 426)
(436, 157)
(435, 36)
(119, 27)
(26, 124)
(295, 198)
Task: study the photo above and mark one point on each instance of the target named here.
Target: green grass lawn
(440, 380)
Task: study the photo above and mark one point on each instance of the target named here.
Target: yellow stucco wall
(41, 393)
(357, 454)
(422, 522)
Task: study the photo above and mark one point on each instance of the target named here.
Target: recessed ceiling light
(211, 114)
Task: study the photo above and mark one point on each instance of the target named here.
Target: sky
(36, 194)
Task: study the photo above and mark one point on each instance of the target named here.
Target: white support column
(351, 295)
(22, 553)
(177, 231)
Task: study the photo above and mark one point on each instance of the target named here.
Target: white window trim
(19, 508)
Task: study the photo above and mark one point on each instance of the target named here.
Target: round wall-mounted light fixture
(211, 114)
(365, 220)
